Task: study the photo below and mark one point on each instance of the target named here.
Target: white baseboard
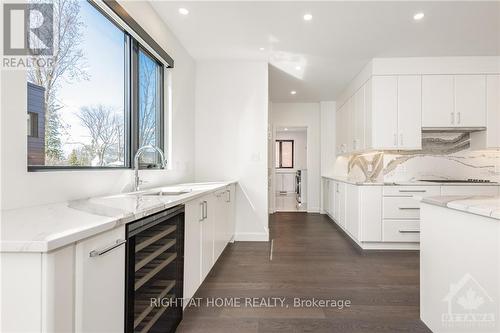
(313, 210)
(251, 237)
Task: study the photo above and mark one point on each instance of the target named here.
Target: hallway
(310, 259)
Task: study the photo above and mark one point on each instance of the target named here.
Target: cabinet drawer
(408, 191)
(401, 208)
(401, 231)
(470, 190)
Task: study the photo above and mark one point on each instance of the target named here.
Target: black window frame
(131, 81)
(280, 154)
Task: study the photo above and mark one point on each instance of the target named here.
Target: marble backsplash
(443, 156)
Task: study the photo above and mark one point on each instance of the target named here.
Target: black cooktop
(457, 181)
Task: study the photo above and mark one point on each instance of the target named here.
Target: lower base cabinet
(100, 283)
(386, 217)
(37, 288)
(209, 227)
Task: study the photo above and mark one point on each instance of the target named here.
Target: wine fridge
(154, 276)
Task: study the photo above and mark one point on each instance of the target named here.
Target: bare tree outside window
(84, 88)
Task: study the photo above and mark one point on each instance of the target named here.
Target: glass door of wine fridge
(155, 264)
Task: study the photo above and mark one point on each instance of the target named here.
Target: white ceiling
(334, 46)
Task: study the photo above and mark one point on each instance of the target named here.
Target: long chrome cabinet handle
(117, 243)
(452, 118)
(205, 209)
(202, 210)
(410, 191)
(409, 231)
(409, 208)
(228, 195)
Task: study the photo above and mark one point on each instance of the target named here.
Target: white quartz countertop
(403, 183)
(479, 205)
(48, 227)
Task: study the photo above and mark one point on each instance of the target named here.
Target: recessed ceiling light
(293, 92)
(261, 49)
(183, 11)
(418, 16)
(308, 17)
(298, 68)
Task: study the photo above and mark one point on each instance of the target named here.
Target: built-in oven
(154, 276)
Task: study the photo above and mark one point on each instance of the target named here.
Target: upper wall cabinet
(385, 113)
(490, 139)
(453, 101)
(394, 112)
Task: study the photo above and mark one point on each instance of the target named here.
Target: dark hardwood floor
(311, 258)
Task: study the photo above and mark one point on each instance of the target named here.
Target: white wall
(21, 188)
(231, 136)
(299, 148)
(304, 115)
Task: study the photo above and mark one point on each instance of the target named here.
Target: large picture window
(100, 100)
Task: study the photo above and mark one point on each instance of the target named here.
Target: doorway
(290, 169)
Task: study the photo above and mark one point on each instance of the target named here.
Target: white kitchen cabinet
(331, 197)
(438, 108)
(207, 235)
(342, 128)
(393, 113)
(193, 216)
(370, 213)
(359, 120)
(470, 100)
(410, 112)
(383, 111)
(340, 204)
(453, 101)
(352, 210)
(220, 222)
(490, 139)
(470, 190)
(209, 227)
(100, 282)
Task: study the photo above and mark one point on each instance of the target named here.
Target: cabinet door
(470, 190)
(470, 100)
(371, 213)
(231, 199)
(349, 129)
(192, 247)
(331, 198)
(341, 198)
(493, 111)
(207, 236)
(384, 112)
(338, 130)
(359, 119)
(352, 211)
(100, 283)
(220, 224)
(410, 112)
(438, 101)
